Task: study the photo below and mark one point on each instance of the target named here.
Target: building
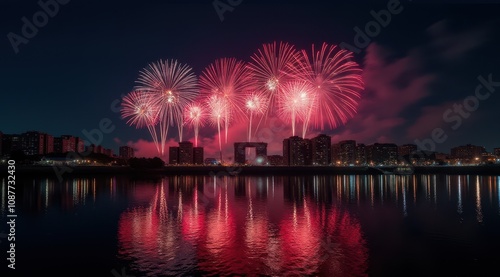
(275, 160)
(407, 149)
(321, 150)
(496, 152)
(108, 152)
(185, 152)
(487, 158)
(240, 153)
(95, 149)
(360, 154)
(382, 154)
(65, 143)
(126, 152)
(79, 145)
(308, 152)
(346, 152)
(336, 154)
(49, 144)
(294, 151)
(198, 154)
(173, 155)
(11, 143)
(33, 143)
(467, 153)
(442, 157)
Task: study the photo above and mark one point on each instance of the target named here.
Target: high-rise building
(406, 149)
(32, 143)
(79, 145)
(275, 160)
(49, 144)
(126, 152)
(185, 152)
(382, 153)
(198, 155)
(336, 154)
(96, 149)
(360, 154)
(321, 150)
(64, 143)
(1, 142)
(467, 152)
(108, 152)
(496, 152)
(294, 151)
(347, 152)
(173, 155)
(308, 152)
(11, 143)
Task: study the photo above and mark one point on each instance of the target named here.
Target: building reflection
(242, 225)
(299, 225)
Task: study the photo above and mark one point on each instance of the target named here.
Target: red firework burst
(173, 86)
(194, 115)
(229, 80)
(270, 69)
(294, 102)
(139, 108)
(336, 81)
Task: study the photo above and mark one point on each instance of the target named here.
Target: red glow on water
(209, 229)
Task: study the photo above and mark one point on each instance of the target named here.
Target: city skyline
(296, 151)
(412, 83)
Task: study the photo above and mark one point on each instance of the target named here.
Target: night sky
(428, 58)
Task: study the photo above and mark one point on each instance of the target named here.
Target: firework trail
(139, 109)
(256, 103)
(194, 116)
(337, 85)
(229, 80)
(173, 85)
(295, 102)
(270, 67)
(218, 108)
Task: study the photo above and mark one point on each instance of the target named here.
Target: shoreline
(248, 170)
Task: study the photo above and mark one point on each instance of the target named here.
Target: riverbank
(48, 171)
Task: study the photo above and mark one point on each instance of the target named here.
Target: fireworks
(229, 80)
(139, 109)
(173, 86)
(255, 103)
(270, 67)
(295, 102)
(336, 81)
(195, 116)
(319, 89)
(218, 110)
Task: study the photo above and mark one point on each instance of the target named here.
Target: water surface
(359, 225)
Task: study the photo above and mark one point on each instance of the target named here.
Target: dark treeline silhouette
(146, 162)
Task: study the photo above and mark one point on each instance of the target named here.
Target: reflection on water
(243, 226)
(303, 225)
